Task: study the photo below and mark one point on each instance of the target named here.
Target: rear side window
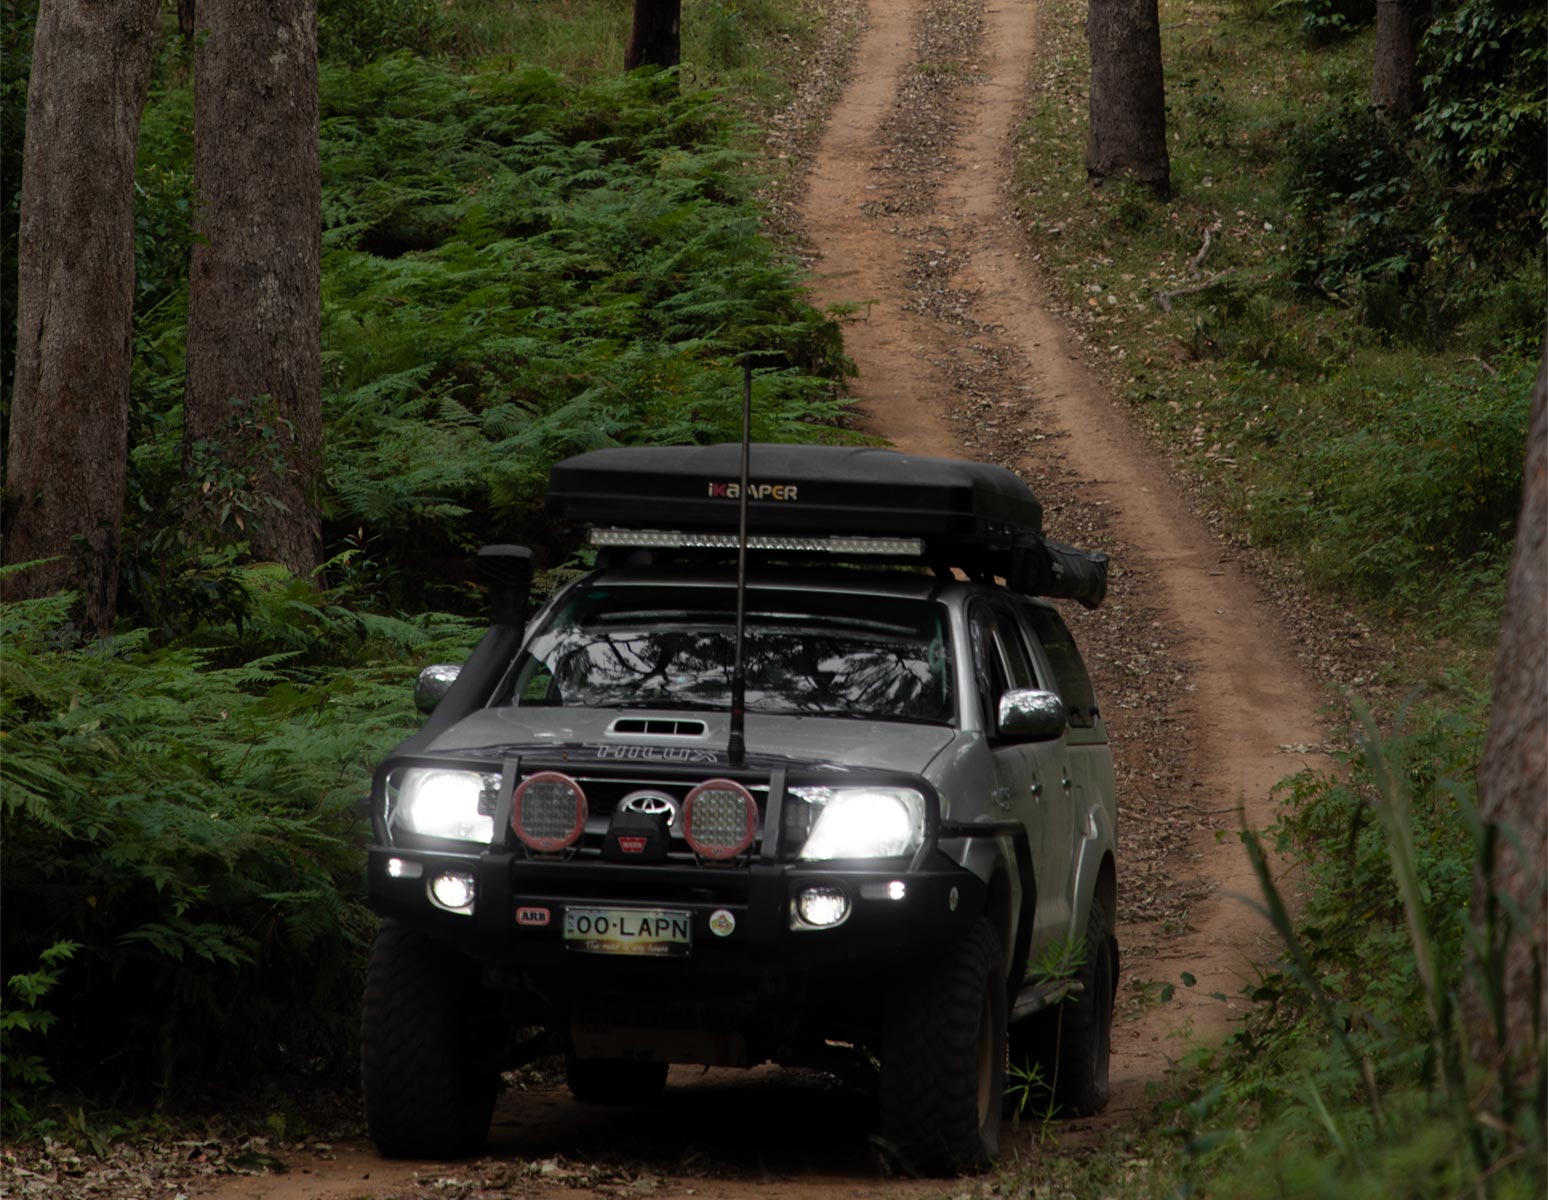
(1069, 670)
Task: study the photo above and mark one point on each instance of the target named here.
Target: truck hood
(590, 732)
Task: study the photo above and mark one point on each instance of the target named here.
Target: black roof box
(979, 517)
(795, 490)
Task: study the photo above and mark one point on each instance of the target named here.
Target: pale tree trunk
(1513, 778)
(1395, 79)
(69, 433)
(653, 39)
(1128, 96)
(254, 387)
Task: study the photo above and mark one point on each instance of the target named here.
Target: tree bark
(1128, 95)
(654, 40)
(69, 433)
(1513, 779)
(1395, 80)
(253, 408)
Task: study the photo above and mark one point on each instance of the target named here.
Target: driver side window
(1000, 659)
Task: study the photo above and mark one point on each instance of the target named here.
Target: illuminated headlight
(446, 804)
(873, 822)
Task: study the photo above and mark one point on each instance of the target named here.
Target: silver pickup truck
(829, 790)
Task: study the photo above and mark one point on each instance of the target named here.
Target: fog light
(821, 907)
(878, 889)
(404, 868)
(453, 891)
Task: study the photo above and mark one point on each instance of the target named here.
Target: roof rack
(981, 518)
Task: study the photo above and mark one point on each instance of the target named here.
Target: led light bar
(673, 539)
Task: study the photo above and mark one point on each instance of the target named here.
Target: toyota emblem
(651, 804)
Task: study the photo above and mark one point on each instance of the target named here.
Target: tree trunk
(653, 41)
(1513, 778)
(1395, 81)
(1128, 97)
(69, 432)
(253, 410)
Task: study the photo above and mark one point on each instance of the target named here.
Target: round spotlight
(548, 811)
(720, 819)
(822, 907)
(454, 891)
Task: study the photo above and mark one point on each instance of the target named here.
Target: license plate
(656, 931)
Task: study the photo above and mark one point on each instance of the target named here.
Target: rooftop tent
(795, 490)
(973, 515)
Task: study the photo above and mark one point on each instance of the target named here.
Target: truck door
(1032, 779)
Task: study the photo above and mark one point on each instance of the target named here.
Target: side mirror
(1031, 715)
(433, 684)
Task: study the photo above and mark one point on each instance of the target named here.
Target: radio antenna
(736, 743)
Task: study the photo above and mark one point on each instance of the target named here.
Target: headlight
(446, 804)
(873, 822)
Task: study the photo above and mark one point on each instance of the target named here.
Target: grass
(752, 49)
(1387, 466)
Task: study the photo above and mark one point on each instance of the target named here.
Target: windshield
(806, 652)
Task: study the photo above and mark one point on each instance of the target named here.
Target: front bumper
(742, 920)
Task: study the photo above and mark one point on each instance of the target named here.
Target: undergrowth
(1354, 1074)
(516, 268)
(1330, 322)
(183, 837)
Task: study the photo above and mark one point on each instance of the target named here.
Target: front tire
(943, 1060)
(429, 1084)
(1070, 1043)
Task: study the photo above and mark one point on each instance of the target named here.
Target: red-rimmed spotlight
(720, 819)
(548, 811)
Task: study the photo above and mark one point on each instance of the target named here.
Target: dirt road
(906, 215)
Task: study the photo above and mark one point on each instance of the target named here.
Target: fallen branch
(1196, 267)
(1164, 299)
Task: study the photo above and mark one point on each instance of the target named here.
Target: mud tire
(1070, 1043)
(429, 1084)
(943, 1060)
(614, 1081)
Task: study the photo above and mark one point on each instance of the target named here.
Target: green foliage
(1484, 125)
(519, 269)
(1398, 493)
(1363, 222)
(1306, 322)
(187, 818)
(516, 268)
(1417, 223)
(358, 31)
(1353, 1066)
(23, 1020)
(1324, 21)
